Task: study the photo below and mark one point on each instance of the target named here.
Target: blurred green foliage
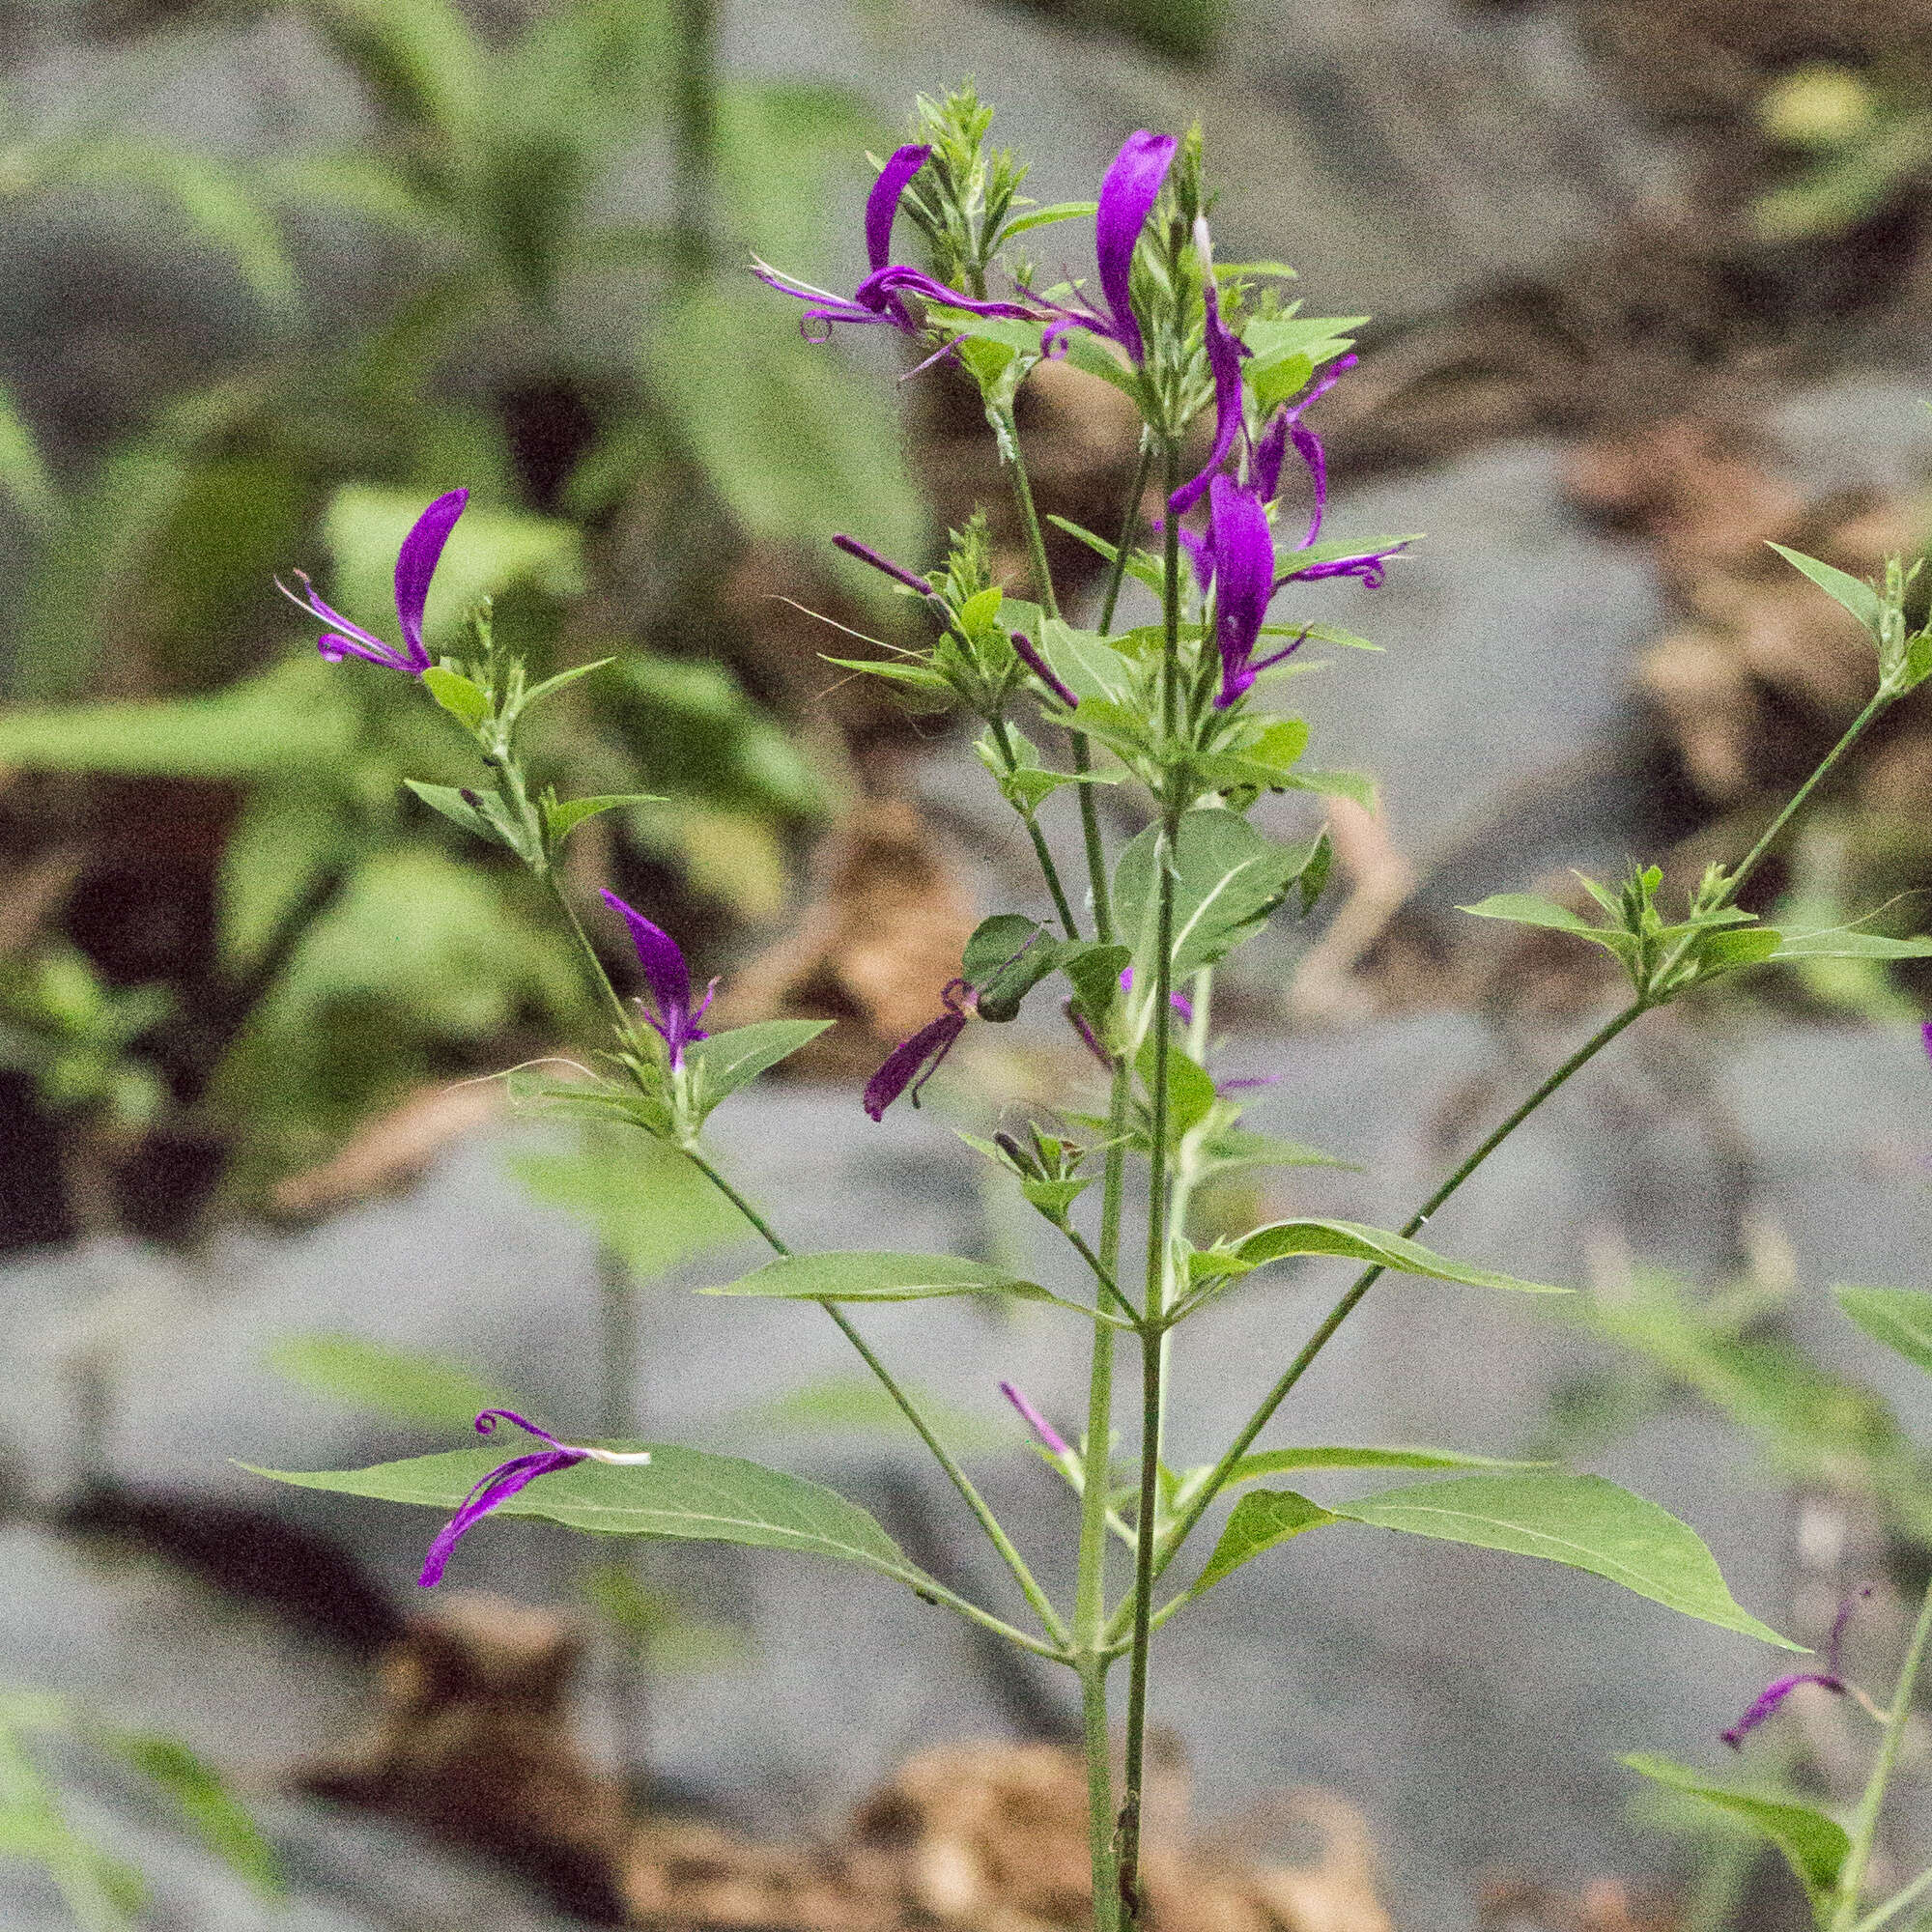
(627, 413)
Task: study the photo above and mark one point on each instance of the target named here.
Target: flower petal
(1243, 581)
(917, 1056)
(897, 572)
(487, 1422)
(1044, 671)
(1225, 351)
(1771, 1697)
(496, 1489)
(1050, 1438)
(1132, 186)
(883, 203)
(416, 565)
(666, 973)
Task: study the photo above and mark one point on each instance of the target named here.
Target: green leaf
(864, 1276)
(1815, 1846)
(538, 693)
(1284, 1462)
(24, 475)
(212, 1811)
(1901, 1318)
(1527, 909)
(1004, 959)
(684, 1494)
(1237, 1147)
(1584, 1521)
(1228, 878)
(455, 805)
(727, 1060)
(563, 817)
(406, 1384)
(1858, 597)
(285, 721)
(1355, 787)
(1282, 1239)
(464, 700)
(282, 849)
(1259, 1523)
(1848, 942)
(1190, 1088)
(1039, 217)
(648, 1204)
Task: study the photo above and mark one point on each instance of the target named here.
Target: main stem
(1871, 1806)
(1152, 1354)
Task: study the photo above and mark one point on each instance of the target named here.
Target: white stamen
(630, 1458)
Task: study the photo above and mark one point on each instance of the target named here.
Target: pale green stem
(1133, 1779)
(1042, 1605)
(1896, 1904)
(1003, 739)
(1871, 1806)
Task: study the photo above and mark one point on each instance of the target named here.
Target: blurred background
(1649, 284)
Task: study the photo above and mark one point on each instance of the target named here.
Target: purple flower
(1225, 351)
(897, 572)
(1176, 999)
(1050, 1438)
(915, 1060)
(1773, 1695)
(881, 296)
(1244, 583)
(1925, 1033)
(1132, 186)
(1371, 566)
(416, 565)
(1044, 671)
(506, 1479)
(669, 1015)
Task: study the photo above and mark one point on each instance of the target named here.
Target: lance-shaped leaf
(1280, 1239)
(1528, 909)
(864, 1276)
(563, 817)
(719, 1066)
(1815, 1845)
(682, 1494)
(1846, 942)
(1857, 596)
(1228, 878)
(1901, 1318)
(1582, 1521)
(1336, 1456)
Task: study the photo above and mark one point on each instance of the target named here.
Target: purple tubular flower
(1132, 186)
(1044, 671)
(897, 572)
(1925, 1034)
(1225, 351)
(882, 205)
(416, 565)
(668, 978)
(1243, 581)
(1372, 567)
(1773, 1695)
(1050, 1438)
(497, 1487)
(915, 1060)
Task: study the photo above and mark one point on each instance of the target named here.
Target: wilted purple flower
(897, 572)
(506, 1479)
(915, 1060)
(416, 565)
(669, 1013)
(1773, 1695)
(1132, 186)
(1050, 1438)
(1044, 671)
(1225, 351)
(881, 296)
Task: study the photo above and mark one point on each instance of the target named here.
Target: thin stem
(1099, 1748)
(599, 977)
(1183, 1525)
(1102, 1273)
(1881, 699)
(1042, 1605)
(1130, 523)
(1030, 525)
(1871, 1806)
(618, 1343)
(1153, 1353)
(1002, 738)
(1896, 1904)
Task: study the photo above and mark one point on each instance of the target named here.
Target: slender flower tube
(1244, 583)
(1049, 1438)
(1925, 1033)
(507, 1478)
(1225, 353)
(669, 1013)
(897, 572)
(416, 565)
(1773, 1695)
(1371, 566)
(914, 1061)
(880, 299)
(1044, 671)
